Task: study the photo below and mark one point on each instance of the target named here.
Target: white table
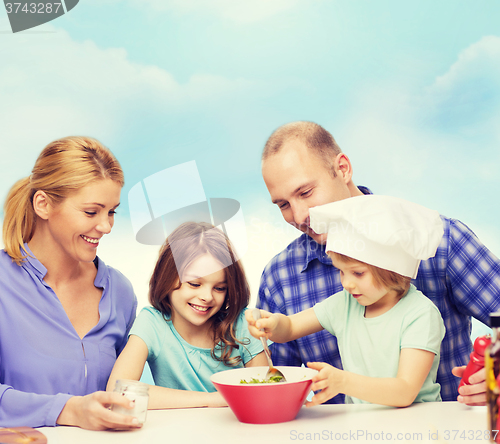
(426, 422)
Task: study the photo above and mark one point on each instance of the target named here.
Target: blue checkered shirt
(462, 279)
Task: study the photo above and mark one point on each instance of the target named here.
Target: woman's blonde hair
(62, 168)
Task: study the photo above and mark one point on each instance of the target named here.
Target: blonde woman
(64, 314)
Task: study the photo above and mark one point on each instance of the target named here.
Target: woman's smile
(91, 240)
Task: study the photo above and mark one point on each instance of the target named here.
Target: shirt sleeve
(473, 273)
(332, 313)
(145, 327)
(424, 329)
(19, 409)
(288, 352)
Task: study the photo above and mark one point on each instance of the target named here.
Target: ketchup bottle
(476, 361)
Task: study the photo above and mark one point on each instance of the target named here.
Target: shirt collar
(32, 263)
(314, 251)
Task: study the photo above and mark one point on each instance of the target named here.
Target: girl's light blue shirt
(177, 364)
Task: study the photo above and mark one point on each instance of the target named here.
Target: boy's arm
(280, 328)
(401, 391)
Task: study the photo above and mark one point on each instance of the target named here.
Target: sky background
(410, 90)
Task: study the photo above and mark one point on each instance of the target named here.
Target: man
(303, 167)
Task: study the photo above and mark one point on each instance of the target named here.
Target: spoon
(273, 371)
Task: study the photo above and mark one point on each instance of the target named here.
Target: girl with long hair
(196, 325)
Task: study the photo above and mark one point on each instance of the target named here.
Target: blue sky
(410, 90)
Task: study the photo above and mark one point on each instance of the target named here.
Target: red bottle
(476, 361)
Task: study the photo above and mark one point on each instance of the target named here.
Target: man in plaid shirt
(303, 167)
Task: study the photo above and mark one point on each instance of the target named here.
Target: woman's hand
(328, 381)
(93, 412)
(475, 392)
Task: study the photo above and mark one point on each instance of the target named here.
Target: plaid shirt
(462, 279)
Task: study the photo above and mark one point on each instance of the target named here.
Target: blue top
(177, 364)
(463, 280)
(43, 361)
(372, 346)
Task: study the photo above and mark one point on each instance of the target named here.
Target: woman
(64, 314)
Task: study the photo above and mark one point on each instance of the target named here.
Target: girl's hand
(92, 412)
(328, 381)
(216, 400)
(475, 393)
(268, 322)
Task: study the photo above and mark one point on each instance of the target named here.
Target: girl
(196, 326)
(388, 333)
(64, 314)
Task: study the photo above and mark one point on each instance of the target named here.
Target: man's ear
(343, 167)
(41, 204)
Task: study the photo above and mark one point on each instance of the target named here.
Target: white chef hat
(387, 232)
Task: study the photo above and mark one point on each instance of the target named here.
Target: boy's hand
(267, 323)
(475, 393)
(328, 381)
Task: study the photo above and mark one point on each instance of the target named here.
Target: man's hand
(475, 393)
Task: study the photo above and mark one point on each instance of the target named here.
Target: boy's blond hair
(381, 277)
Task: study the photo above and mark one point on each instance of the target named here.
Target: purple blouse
(43, 361)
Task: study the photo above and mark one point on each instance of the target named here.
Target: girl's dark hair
(187, 243)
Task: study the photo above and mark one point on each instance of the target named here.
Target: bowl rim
(283, 368)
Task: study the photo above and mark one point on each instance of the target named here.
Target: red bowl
(265, 403)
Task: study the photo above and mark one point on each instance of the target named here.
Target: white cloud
(237, 10)
(53, 86)
(478, 62)
(467, 97)
(436, 145)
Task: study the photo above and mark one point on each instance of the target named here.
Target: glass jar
(135, 391)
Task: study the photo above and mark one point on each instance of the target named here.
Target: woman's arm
(90, 412)
(401, 391)
(130, 365)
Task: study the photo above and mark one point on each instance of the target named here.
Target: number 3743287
(33, 8)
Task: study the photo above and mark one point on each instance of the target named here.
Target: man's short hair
(314, 136)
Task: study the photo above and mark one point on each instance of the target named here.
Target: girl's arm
(130, 362)
(130, 365)
(281, 328)
(257, 361)
(401, 391)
